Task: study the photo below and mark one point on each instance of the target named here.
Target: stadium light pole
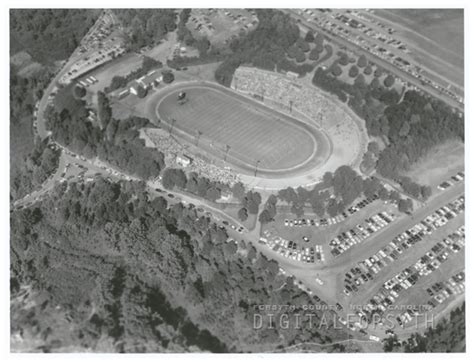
(227, 148)
(173, 121)
(256, 167)
(199, 134)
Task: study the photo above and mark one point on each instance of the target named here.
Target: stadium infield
(258, 136)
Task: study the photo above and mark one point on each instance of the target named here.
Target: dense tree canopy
(148, 64)
(353, 71)
(127, 267)
(168, 76)
(79, 91)
(362, 61)
(266, 47)
(146, 26)
(411, 126)
(49, 35)
(117, 142)
(104, 111)
(447, 336)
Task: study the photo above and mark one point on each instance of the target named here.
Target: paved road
(43, 104)
(457, 83)
(331, 289)
(398, 226)
(379, 61)
(303, 272)
(371, 245)
(75, 56)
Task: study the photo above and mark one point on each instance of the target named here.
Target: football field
(250, 131)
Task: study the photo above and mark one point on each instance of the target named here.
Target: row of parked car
(292, 250)
(440, 291)
(366, 269)
(346, 240)
(332, 220)
(448, 183)
(408, 277)
(316, 222)
(238, 228)
(439, 253)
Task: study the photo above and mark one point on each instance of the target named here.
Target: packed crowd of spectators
(286, 91)
(293, 96)
(172, 149)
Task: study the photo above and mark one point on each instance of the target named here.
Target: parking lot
(360, 232)
(363, 271)
(398, 289)
(450, 182)
(297, 250)
(322, 230)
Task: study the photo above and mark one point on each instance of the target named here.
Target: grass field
(252, 131)
(439, 32)
(443, 26)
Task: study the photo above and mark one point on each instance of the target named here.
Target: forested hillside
(113, 141)
(31, 162)
(266, 47)
(410, 125)
(448, 335)
(146, 26)
(49, 35)
(128, 269)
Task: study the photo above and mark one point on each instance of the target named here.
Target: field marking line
(302, 125)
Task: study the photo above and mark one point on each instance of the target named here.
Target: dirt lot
(233, 209)
(439, 165)
(216, 24)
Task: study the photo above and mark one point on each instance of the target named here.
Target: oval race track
(258, 136)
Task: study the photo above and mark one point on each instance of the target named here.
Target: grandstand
(174, 151)
(293, 97)
(294, 137)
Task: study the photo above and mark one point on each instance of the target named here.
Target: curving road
(71, 166)
(379, 61)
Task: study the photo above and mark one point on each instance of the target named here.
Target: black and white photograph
(234, 180)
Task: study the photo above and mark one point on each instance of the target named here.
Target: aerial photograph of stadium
(236, 180)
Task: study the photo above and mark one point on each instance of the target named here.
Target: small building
(124, 93)
(292, 75)
(226, 196)
(183, 160)
(134, 88)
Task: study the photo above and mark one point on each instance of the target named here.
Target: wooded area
(127, 267)
(447, 336)
(410, 127)
(49, 35)
(146, 26)
(265, 47)
(333, 195)
(113, 141)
